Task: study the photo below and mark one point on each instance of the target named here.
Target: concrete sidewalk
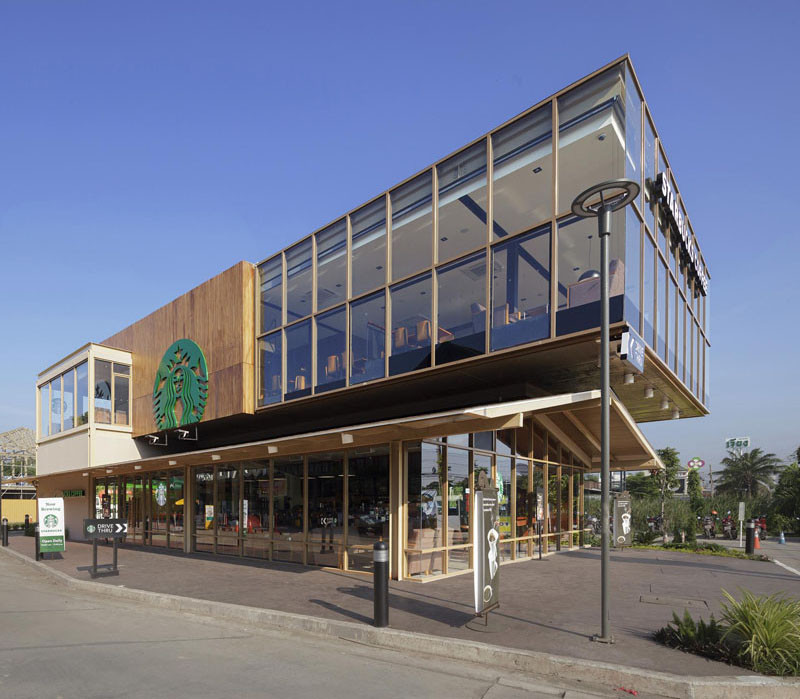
(547, 606)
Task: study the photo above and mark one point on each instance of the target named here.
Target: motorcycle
(709, 530)
(727, 529)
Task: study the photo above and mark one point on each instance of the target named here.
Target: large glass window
(412, 226)
(521, 289)
(462, 202)
(462, 309)
(331, 349)
(102, 391)
(369, 247)
(579, 273)
(633, 247)
(44, 410)
(680, 321)
(269, 352)
(503, 483)
(228, 515)
(255, 508)
(673, 311)
(176, 507)
(661, 290)
(204, 515)
(633, 129)
(332, 265)
(367, 338)
(526, 512)
(411, 325)
(367, 504)
(298, 360)
(325, 508)
(522, 174)
(426, 475)
(287, 503)
(591, 143)
(298, 281)
(82, 393)
(649, 174)
(69, 399)
(649, 290)
(121, 394)
(459, 557)
(55, 405)
(271, 275)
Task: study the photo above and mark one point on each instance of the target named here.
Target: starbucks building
(355, 384)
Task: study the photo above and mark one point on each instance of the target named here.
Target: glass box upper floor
(480, 253)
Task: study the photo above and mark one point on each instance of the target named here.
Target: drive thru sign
(51, 524)
(105, 528)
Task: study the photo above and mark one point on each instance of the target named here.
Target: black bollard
(380, 566)
(27, 521)
(37, 555)
(4, 532)
(750, 537)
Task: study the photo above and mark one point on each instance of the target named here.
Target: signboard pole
(93, 572)
(741, 522)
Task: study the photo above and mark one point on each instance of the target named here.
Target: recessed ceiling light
(443, 238)
(379, 267)
(601, 137)
(537, 170)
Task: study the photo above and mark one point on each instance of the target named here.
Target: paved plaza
(549, 606)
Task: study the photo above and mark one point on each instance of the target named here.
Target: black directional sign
(105, 528)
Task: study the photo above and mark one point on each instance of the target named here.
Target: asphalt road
(61, 644)
(787, 554)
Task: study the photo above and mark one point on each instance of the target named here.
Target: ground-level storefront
(315, 504)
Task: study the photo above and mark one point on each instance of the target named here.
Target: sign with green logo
(181, 381)
(51, 524)
(73, 493)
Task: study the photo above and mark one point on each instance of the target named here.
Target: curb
(530, 662)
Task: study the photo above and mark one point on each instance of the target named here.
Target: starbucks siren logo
(90, 529)
(50, 521)
(182, 377)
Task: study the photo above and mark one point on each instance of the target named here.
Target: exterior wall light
(172, 462)
(664, 404)
(109, 470)
(676, 414)
(347, 438)
(648, 392)
(272, 450)
(138, 467)
(628, 379)
(215, 457)
(85, 474)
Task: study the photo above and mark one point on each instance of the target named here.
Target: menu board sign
(486, 553)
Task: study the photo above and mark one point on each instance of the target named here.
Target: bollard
(27, 521)
(380, 566)
(37, 555)
(4, 532)
(749, 542)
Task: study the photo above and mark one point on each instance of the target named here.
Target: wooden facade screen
(219, 316)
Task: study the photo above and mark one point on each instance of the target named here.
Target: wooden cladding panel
(219, 316)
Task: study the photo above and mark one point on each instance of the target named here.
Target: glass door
(175, 495)
(368, 504)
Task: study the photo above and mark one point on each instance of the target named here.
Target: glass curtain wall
(440, 544)
(604, 131)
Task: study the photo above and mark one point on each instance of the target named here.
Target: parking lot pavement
(549, 606)
(787, 554)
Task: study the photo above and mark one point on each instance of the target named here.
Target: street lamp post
(600, 202)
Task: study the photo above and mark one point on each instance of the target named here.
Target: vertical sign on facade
(51, 524)
(485, 550)
(623, 528)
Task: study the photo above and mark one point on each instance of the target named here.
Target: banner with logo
(623, 526)
(51, 525)
(485, 550)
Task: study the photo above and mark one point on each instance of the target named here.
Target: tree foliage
(749, 473)
(786, 498)
(695, 491)
(642, 485)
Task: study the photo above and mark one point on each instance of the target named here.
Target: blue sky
(146, 146)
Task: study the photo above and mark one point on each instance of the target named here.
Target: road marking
(783, 565)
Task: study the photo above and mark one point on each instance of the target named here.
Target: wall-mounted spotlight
(676, 414)
(172, 462)
(272, 450)
(664, 404)
(648, 392)
(138, 467)
(628, 379)
(215, 457)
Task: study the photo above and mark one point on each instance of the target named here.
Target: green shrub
(30, 529)
(645, 537)
(764, 631)
(695, 637)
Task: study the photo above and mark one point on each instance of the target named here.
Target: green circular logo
(90, 529)
(181, 379)
(50, 521)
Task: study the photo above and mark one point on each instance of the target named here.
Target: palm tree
(749, 472)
